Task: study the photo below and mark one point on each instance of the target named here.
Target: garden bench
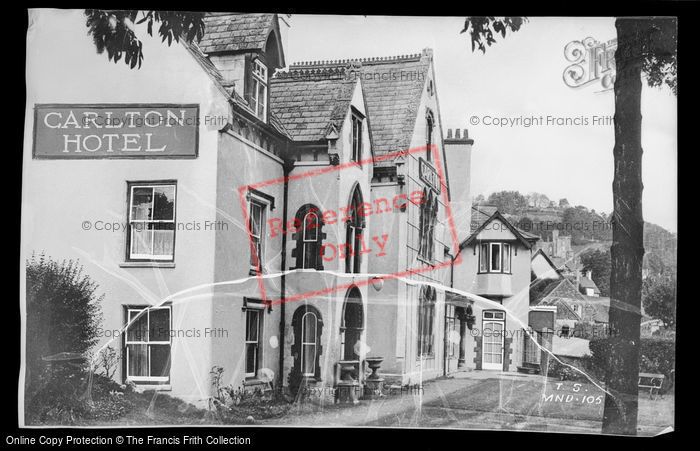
(652, 381)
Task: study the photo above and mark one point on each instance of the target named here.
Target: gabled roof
(309, 108)
(548, 260)
(527, 241)
(233, 97)
(392, 87)
(585, 282)
(481, 214)
(597, 308)
(234, 32)
(560, 294)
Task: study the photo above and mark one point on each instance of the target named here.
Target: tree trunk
(620, 413)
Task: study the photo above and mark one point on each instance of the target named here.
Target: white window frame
(483, 257)
(147, 342)
(259, 78)
(258, 309)
(144, 222)
(357, 130)
(505, 257)
(260, 248)
(304, 343)
(504, 262)
(500, 257)
(306, 240)
(497, 315)
(427, 300)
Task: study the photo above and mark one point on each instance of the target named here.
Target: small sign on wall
(429, 175)
(63, 131)
(542, 319)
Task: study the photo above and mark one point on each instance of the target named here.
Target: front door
(452, 338)
(493, 333)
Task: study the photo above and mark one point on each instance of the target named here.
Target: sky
(520, 78)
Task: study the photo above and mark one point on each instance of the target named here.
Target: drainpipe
(445, 339)
(287, 168)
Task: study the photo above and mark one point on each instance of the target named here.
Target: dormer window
(259, 90)
(356, 135)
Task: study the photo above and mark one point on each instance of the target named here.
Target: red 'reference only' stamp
(375, 244)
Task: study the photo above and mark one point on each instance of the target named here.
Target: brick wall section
(477, 352)
(507, 353)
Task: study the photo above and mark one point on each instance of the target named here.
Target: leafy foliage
(63, 311)
(658, 50)
(68, 395)
(656, 355)
(113, 30)
(659, 299)
(508, 202)
(483, 29)
(241, 405)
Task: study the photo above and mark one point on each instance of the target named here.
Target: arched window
(308, 344)
(306, 348)
(429, 126)
(426, 318)
(351, 325)
(431, 229)
(427, 220)
(353, 233)
(309, 237)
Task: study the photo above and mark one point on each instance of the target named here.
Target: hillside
(536, 213)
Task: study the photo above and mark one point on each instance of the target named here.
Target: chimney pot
(449, 133)
(457, 133)
(465, 135)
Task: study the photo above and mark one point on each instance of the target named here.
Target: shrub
(656, 355)
(63, 317)
(66, 395)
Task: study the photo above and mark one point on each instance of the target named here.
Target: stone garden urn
(374, 384)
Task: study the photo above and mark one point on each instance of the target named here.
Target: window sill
(496, 272)
(425, 260)
(147, 265)
(152, 387)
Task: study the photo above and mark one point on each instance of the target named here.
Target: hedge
(656, 355)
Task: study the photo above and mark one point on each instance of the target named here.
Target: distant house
(587, 286)
(544, 268)
(569, 302)
(596, 309)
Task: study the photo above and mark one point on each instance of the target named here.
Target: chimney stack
(458, 153)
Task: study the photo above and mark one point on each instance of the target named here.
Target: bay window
(495, 257)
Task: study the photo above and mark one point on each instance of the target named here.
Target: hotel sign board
(76, 132)
(429, 175)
